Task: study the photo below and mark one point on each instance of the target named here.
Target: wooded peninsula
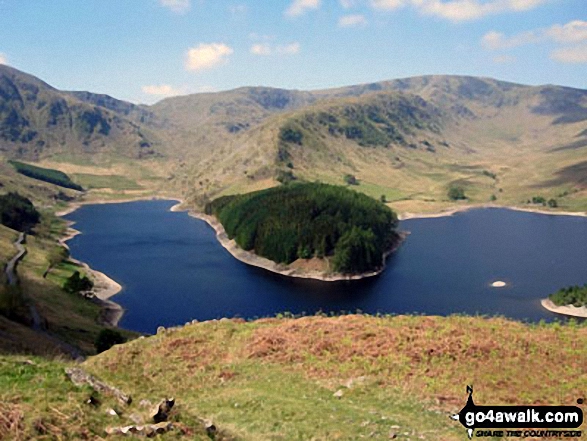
(305, 220)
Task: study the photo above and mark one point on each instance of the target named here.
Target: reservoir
(173, 269)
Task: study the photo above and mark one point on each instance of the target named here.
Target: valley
(424, 146)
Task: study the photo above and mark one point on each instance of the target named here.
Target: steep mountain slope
(38, 121)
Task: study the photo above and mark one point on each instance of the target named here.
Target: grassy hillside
(320, 378)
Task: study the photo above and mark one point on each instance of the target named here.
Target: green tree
(18, 212)
(357, 251)
(76, 283)
(538, 200)
(456, 193)
(108, 338)
(571, 295)
(350, 180)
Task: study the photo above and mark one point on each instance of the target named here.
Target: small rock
(392, 435)
(161, 411)
(93, 401)
(210, 427)
(111, 412)
(148, 430)
(338, 394)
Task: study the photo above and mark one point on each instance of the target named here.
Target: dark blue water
(173, 270)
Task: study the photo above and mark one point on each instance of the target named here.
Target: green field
(114, 182)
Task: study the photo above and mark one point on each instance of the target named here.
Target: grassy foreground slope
(348, 377)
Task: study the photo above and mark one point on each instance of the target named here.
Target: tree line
(18, 212)
(45, 174)
(571, 295)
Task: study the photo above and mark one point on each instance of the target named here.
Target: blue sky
(144, 50)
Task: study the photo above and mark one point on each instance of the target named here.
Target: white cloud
(161, 90)
(288, 49)
(261, 49)
(299, 7)
(347, 21)
(283, 49)
(177, 6)
(572, 32)
(504, 59)
(206, 56)
(574, 54)
(3, 59)
(459, 10)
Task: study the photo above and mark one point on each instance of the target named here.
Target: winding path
(11, 276)
(38, 324)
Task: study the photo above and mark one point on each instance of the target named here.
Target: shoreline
(568, 310)
(72, 206)
(261, 262)
(464, 208)
(104, 286)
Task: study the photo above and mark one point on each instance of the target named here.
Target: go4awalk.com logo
(519, 421)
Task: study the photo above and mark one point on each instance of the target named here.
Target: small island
(568, 301)
(310, 230)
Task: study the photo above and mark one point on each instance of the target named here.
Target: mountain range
(407, 140)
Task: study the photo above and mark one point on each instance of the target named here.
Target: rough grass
(38, 402)
(276, 378)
